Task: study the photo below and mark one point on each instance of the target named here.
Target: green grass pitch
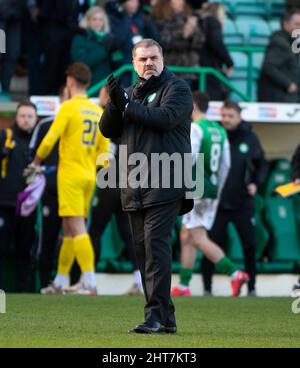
(79, 321)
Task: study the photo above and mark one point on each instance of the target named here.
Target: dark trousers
(33, 46)
(151, 229)
(51, 224)
(20, 231)
(108, 203)
(8, 60)
(243, 221)
(56, 41)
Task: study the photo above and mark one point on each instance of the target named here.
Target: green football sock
(185, 275)
(225, 266)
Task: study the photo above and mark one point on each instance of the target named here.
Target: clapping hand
(117, 94)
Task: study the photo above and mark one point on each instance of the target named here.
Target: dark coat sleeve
(214, 39)
(296, 164)
(260, 166)
(176, 106)
(276, 57)
(111, 122)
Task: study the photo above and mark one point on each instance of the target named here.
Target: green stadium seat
(112, 245)
(255, 30)
(240, 60)
(257, 60)
(279, 175)
(274, 25)
(231, 35)
(241, 85)
(281, 220)
(248, 7)
(283, 165)
(276, 7)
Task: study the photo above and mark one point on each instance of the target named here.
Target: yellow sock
(84, 252)
(66, 256)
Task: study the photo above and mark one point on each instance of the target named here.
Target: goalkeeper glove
(32, 171)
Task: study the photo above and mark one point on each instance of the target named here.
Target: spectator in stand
(214, 52)
(280, 73)
(11, 12)
(58, 23)
(292, 4)
(14, 157)
(180, 35)
(95, 46)
(129, 24)
(33, 46)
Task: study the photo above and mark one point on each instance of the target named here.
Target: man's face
(148, 61)
(230, 118)
(26, 118)
(293, 24)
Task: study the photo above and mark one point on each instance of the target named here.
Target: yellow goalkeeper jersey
(76, 125)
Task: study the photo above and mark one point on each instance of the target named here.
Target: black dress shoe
(149, 327)
(171, 324)
(171, 329)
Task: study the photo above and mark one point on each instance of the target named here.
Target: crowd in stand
(50, 34)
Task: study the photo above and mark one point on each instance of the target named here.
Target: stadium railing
(203, 72)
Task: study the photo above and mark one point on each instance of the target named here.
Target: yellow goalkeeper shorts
(74, 195)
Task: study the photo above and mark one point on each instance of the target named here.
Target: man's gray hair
(147, 42)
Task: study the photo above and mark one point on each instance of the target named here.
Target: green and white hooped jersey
(210, 138)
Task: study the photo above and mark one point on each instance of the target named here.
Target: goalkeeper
(80, 143)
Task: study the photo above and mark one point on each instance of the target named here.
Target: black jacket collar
(243, 128)
(143, 86)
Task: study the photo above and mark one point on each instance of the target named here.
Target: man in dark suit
(152, 116)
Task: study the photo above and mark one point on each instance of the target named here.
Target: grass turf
(79, 321)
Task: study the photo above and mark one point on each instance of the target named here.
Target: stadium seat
(257, 60)
(274, 25)
(241, 85)
(276, 7)
(281, 220)
(231, 35)
(255, 30)
(279, 175)
(248, 7)
(240, 60)
(112, 245)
